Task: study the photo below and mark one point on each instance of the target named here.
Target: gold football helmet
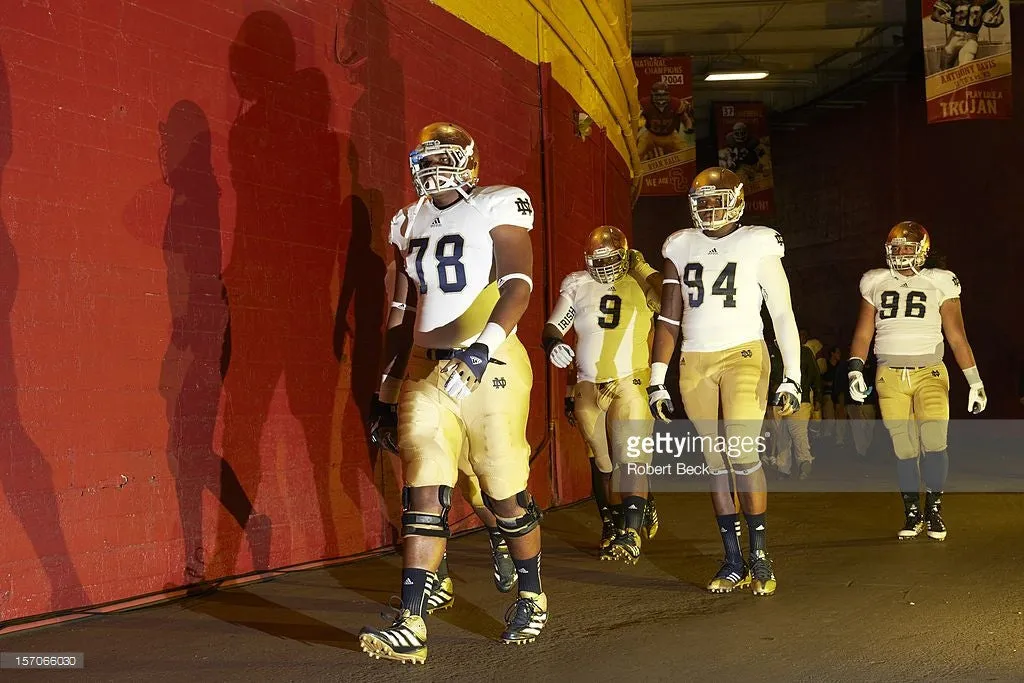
(445, 159)
(606, 254)
(716, 199)
(907, 246)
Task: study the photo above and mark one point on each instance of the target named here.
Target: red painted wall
(844, 181)
(194, 203)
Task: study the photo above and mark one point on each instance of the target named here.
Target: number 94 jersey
(908, 326)
(720, 283)
(449, 256)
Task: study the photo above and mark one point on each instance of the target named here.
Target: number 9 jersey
(449, 256)
(720, 278)
(908, 325)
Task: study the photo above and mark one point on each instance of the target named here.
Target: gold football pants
(433, 428)
(915, 408)
(612, 415)
(738, 379)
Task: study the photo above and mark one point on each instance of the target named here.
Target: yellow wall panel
(587, 44)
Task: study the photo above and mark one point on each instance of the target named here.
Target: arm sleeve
(775, 285)
(564, 312)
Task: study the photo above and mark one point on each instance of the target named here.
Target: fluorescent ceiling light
(736, 76)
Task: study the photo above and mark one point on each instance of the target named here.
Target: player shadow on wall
(359, 343)
(377, 123)
(197, 357)
(25, 474)
(285, 171)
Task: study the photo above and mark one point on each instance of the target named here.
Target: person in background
(862, 416)
(815, 345)
(792, 429)
(833, 411)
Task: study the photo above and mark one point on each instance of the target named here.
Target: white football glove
(561, 355)
(787, 398)
(977, 400)
(660, 402)
(858, 386)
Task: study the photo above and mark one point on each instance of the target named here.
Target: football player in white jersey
(610, 304)
(384, 434)
(465, 265)
(716, 277)
(907, 308)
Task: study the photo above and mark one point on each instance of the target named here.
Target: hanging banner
(666, 139)
(741, 129)
(967, 59)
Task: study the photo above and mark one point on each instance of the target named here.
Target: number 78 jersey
(722, 293)
(449, 256)
(907, 319)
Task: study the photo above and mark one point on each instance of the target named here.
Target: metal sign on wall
(741, 130)
(967, 59)
(666, 139)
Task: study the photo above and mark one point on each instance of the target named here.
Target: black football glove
(384, 424)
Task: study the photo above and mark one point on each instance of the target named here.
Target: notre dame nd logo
(499, 382)
(936, 373)
(523, 206)
(747, 353)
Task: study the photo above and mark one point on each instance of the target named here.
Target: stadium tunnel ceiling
(812, 49)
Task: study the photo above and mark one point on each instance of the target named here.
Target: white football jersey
(908, 326)
(449, 256)
(722, 294)
(613, 324)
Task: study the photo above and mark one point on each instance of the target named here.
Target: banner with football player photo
(666, 139)
(967, 59)
(741, 129)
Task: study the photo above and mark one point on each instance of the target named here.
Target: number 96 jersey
(449, 256)
(908, 325)
(720, 283)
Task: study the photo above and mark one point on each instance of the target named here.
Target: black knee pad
(518, 526)
(426, 523)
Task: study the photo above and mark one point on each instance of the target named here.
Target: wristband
(855, 364)
(972, 375)
(492, 337)
(658, 372)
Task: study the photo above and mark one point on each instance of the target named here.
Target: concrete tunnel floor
(853, 604)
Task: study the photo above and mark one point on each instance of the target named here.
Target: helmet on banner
(445, 159)
(606, 254)
(716, 199)
(660, 95)
(740, 133)
(907, 246)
